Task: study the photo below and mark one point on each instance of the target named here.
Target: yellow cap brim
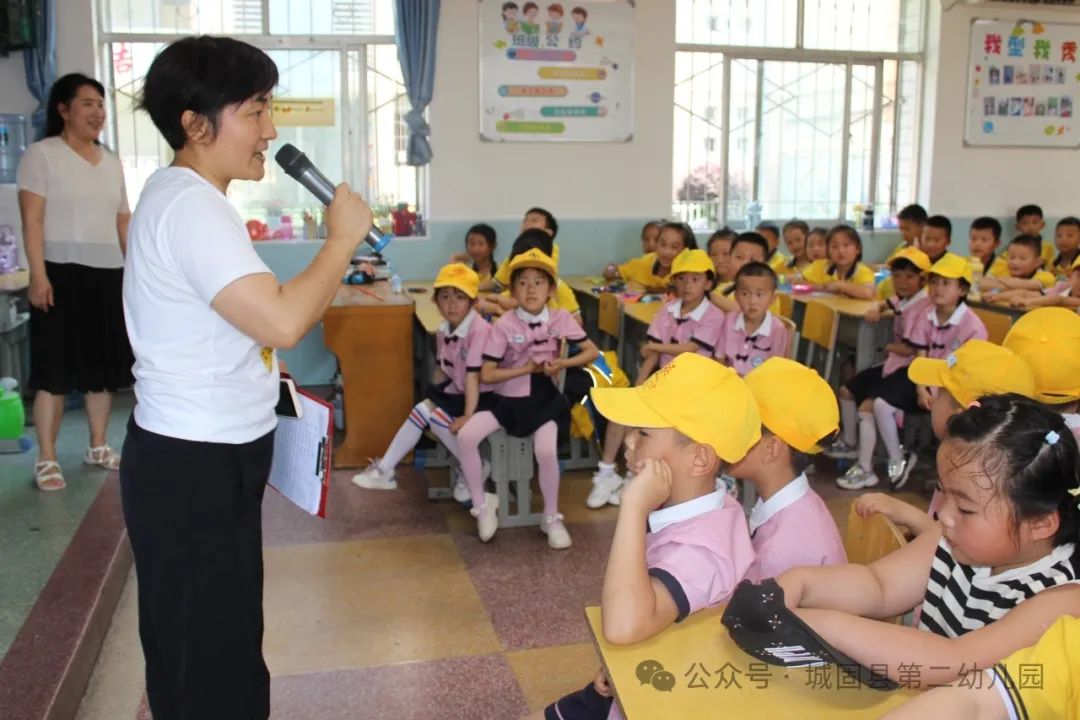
(927, 371)
(470, 292)
(625, 407)
(535, 265)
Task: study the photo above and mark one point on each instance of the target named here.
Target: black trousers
(194, 517)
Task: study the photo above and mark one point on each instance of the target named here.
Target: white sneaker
(604, 484)
(616, 495)
(461, 488)
(856, 478)
(558, 537)
(373, 478)
(841, 450)
(899, 470)
(487, 517)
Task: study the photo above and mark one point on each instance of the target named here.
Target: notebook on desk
(302, 450)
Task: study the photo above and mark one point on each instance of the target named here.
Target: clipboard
(303, 446)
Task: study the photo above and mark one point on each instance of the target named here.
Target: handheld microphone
(297, 166)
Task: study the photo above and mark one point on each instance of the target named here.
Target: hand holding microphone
(346, 214)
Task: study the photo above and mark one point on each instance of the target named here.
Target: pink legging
(545, 441)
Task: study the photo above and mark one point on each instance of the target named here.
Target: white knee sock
(886, 423)
(440, 428)
(406, 437)
(849, 421)
(867, 440)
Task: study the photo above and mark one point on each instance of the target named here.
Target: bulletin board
(556, 71)
(1023, 84)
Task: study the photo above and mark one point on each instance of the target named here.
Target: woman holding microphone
(205, 316)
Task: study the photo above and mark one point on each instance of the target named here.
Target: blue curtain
(417, 24)
(40, 62)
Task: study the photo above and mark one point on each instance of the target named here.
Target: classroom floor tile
(546, 674)
(370, 602)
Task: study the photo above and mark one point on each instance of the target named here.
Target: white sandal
(47, 476)
(102, 456)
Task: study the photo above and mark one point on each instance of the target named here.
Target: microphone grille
(287, 156)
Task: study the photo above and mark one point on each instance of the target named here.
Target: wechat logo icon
(650, 672)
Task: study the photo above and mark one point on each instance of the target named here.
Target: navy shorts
(585, 704)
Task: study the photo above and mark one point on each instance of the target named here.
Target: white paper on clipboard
(301, 466)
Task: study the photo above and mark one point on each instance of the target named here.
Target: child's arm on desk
(900, 512)
(491, 374)
(1011, 283)
(975, 698)
(1033, 300)
(635, 606)
(939, 659)
(858, 291)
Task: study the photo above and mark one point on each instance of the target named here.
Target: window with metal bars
(795, 108)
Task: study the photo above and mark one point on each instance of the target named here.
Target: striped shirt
(961, 598)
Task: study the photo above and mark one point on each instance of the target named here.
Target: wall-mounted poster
(556, 71)
(1023, 84)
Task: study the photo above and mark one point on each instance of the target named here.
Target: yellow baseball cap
(534, 258)
(692, 261)
(951, 265)
(1048, 339)
(460, 276)
(795, 404)
(699, 397)
(1076, 264)
(913, 255)
(977, 368)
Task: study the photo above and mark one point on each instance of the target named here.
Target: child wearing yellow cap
(562, 299)
(1048, 339)
(790, 524)
(522, 359)
(999, 568)
(455, 392)
(1042, 681)
(535, 218)
(689, 323)
(908, 305)
(679, 545)
(977, 368)
(652, 271)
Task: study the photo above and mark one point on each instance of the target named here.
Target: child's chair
(787, 305)
(793, 334)
(819, 328)
(870, 539)
(610, 320)
(997, 324)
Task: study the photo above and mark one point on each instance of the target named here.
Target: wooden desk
(737, 685)
(638, 316)
(426, 311)
(866, 338)
(372, 339)
(589, 303)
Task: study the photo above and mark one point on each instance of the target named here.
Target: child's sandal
(102, 456)
(47, 476)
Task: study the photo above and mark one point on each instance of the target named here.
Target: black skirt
(453, 404)
(81, 343)
(523, 416)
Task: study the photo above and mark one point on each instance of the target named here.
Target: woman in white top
(74, 216)
(205, 315)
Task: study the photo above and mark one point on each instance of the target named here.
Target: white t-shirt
(81, 202)
(196, 376)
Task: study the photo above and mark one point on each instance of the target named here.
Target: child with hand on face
(455, 393)
(521, 358)
(688, 324)
(790, 524)
(679, 545)
(1000, 568)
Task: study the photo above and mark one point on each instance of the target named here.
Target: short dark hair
(852, 235)
(1008, 435)
(549, 220)
(818, 231)
(533, 238)
(63, 92)
(509, 6)
(756, 269)
(941, 223)
(485, 231)
(1029, 241)
(768, 227)
(799, 459)
(724, 233)
(796, 225)
(915, 213)
(902, 263)
(752, 238)
(652, 223)
(1070, 220)
(987, 223)
(203, 74)
(688, 237)
(1026, 210)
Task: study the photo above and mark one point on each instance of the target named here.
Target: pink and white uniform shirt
(518, 337)
(704, 326)
(905, 313)
(939, 340)
(460, 351)
(744, 352)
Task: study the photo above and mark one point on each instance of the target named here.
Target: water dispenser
(14, 135)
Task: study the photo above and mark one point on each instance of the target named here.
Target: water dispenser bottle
(9, 250)
(13, 137)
